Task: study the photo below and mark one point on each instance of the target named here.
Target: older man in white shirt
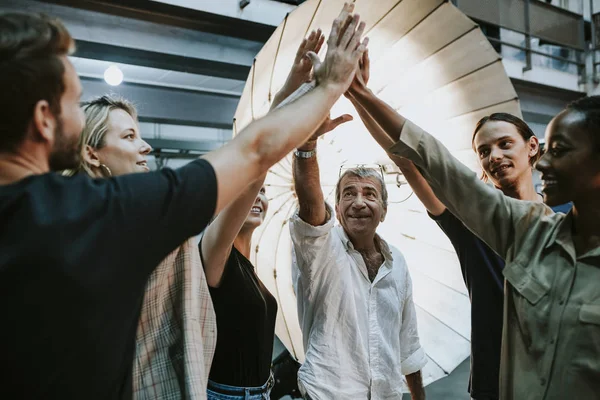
(354, 291)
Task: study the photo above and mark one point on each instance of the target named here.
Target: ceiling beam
(185, 146)
(169, 105)
(170, 62)
(167, 14)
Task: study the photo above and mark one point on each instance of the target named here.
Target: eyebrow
(559, 138)
(497, 140)
(368, 187)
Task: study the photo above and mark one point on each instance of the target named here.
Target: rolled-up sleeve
(497, 219)
(308, 240)
(412, 355)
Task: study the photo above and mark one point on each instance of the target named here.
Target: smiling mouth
(549, 184)
(500, 169)
(255, 210)
(143, 164)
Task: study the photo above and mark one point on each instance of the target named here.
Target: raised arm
(495, 218)
(301, 68)
(307, 182)
(219, 236)
(266, 141)
(411, 173)
(414, 178)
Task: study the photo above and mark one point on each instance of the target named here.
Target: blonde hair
(97, 113)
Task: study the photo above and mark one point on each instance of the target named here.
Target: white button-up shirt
(359, 336)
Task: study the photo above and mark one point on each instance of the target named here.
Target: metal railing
(595, 30)
(539, 22)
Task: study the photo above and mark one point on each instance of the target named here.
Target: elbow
(263, 151)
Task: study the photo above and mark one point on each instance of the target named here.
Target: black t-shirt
(482, 272)
(246, 313)
(75, 255)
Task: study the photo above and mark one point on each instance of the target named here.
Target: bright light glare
(113, 75)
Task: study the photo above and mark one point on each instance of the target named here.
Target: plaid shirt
(177, 331)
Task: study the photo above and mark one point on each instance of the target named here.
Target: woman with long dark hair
(245, 309)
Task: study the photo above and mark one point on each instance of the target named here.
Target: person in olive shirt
(551, 334)
(76, 253)
(507, 150)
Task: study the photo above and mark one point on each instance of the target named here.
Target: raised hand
(302, 67)
(361, 78)
(344, 49)
(327, 126)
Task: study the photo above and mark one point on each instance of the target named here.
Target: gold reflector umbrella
(434, 65)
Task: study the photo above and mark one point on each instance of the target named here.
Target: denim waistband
(237, 390)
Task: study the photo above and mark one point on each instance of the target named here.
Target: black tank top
(246, 313)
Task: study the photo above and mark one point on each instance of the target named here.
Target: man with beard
(76, 253)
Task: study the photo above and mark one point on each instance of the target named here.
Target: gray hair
(362, 172)
(97, 113)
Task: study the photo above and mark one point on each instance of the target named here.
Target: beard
(65, 154)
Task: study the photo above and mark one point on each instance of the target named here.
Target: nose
(358, 201)
(146, 148)
(496, 154)
(543, 163)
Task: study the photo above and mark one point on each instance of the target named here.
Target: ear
(90, 156)
(534, 146)
(383, 214)
(337, 213)
(44, 122)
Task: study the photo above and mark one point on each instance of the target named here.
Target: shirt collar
(385, 248)
(562, 235)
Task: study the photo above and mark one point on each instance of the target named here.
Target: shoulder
(53, 195)
(399, 261)
(536, 215)
(300, 228)
(449, 223)
(563, 208)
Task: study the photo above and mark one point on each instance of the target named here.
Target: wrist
(309, 145)
(292, 83)
(285, 91)
(359, 92)
(335, 89)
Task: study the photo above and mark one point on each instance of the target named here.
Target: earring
(105, 170)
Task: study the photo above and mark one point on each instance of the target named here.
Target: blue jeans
(218, 391)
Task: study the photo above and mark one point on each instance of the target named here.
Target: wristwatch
(305, 154)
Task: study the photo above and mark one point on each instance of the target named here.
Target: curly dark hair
(590, 108)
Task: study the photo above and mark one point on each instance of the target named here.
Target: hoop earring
(105, 170)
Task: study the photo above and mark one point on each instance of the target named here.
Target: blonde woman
(176, 334)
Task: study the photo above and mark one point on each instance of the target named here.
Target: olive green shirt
(551, 335)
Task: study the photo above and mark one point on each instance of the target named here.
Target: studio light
(113, 75)
(430, 62)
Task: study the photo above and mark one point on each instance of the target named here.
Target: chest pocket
(530, 302)
(590, 314)
(588, 341)
(525, 284)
